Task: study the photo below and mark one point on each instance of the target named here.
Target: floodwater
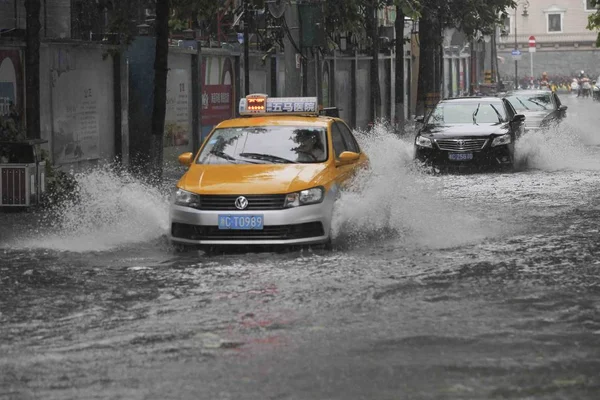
(464, 286)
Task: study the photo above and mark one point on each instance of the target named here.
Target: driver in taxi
(310, 147)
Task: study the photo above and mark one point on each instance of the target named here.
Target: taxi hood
(252, 178)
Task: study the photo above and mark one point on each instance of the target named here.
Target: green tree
(594, 21)
(470, 16)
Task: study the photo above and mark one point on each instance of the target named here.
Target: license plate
(460, 156)
(241, 221)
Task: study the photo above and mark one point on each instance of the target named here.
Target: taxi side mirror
(186, 159)
(347, 157)
(420, 119)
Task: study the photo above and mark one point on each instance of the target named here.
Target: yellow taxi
(270, 177)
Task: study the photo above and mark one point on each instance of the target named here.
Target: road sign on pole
(516, 54)
(532, 44)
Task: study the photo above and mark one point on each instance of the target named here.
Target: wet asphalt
(460, 286)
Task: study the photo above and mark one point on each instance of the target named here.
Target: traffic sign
(240, 37)
(532, 44)
(516, 54)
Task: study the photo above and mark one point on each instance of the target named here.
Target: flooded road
(469, 286)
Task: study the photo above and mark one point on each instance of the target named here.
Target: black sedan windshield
(266, 145)
(448, 113)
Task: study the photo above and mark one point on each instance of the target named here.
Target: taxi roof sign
(262, 104)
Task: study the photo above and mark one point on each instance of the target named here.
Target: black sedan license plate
(460, 156)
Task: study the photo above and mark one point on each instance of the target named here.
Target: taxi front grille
(461, 144)
(255, 202)
(273, 232)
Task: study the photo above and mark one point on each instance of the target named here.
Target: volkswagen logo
(241, 203)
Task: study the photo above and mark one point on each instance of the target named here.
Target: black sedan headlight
(501, 140)
(305, 197)
(187, 199)
(422, 141)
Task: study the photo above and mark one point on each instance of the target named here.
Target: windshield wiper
(527, 108)
(500, 119)
(475, 114)
(223, 155)
(538, 104)
(267, 157)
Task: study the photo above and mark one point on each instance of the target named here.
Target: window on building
(592, 5)
(555, 23)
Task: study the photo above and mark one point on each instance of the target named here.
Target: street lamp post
(525, 4)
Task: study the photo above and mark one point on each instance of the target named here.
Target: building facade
(563, 45)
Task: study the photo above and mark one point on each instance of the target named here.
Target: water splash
(113, 210)
(566, 146)
(394, 199)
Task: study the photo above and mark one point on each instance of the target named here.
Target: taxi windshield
(467, 113)
(266, 145)
(530, 103)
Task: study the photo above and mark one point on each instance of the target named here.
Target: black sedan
(542, 108)
(469, 131)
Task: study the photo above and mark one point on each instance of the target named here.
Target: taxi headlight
(500, 140)
(305, 197)
(184, 198)
(423, 142)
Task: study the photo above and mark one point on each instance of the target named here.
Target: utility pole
(516, 48)
(525, 4)
(246, 48)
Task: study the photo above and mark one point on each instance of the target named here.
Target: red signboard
(531, 41)
(218, 96)
(216, 103)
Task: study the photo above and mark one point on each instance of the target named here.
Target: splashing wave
(112, 210)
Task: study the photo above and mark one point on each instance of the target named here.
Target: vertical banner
(177, 117)
(11, 82)
(77, 97)
(218, 94)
